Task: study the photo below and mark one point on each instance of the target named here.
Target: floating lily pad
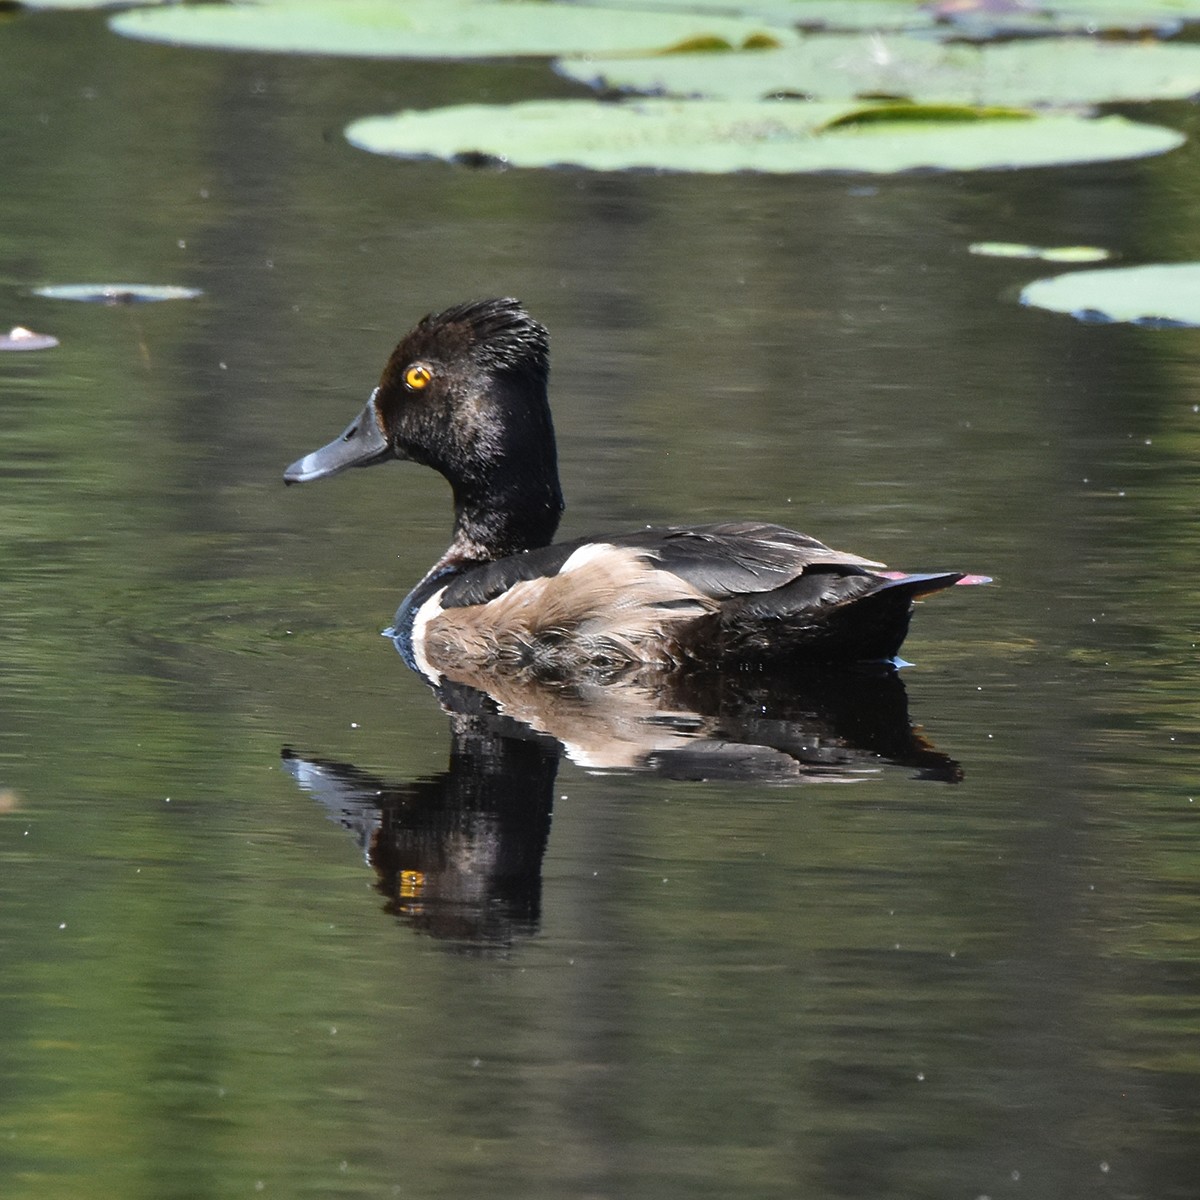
(1053, 72)
(116, 293)
(20, 338)
(72, 4)
(800, 14)
(1059, 254)
(1157, 296)
(998, 19)
(977, 19)
(717, 137)
(432, 28)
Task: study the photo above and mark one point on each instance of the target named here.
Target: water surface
(887, 986)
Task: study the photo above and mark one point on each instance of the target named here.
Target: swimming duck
(466, 393)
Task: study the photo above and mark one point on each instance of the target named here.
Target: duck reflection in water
(459, 855)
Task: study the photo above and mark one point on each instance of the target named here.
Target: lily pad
(80, 4)
(977, 20)
(1156, 296)
(1059, 254)
(116, 293)
(1051, 72)
(800, 14)
(20, 338)
(433, 28)
(718, 137)
(980, 19)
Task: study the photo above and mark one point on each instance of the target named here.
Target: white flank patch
(586, 553)
(430, 609)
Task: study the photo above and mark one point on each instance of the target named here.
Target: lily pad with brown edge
(116, 293)
(449, 29)
(719, 137)
(1055, 72)
(1162, 296)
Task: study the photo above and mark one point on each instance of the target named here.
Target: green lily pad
(1060, 254)
(1157, 296)
(117, 293)
(975, 19)
(432, 28)
(718, 137)
(801, 14)
(989, 19)
(73, 4)
(1043, 71)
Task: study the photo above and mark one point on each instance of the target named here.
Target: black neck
(505, 517)
(507, 497)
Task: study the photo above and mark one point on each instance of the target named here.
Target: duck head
(466, 394)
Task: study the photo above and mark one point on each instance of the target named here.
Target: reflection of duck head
(465, 392)
(459, 855)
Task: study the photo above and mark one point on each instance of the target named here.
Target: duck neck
(495, 519)
(503, 469)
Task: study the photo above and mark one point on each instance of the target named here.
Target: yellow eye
(418, 377)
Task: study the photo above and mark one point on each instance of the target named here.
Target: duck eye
(417, 378)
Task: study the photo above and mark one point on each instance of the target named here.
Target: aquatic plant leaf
(1046, 71)
(70, 4)
(1159, 296)
(718, 136)
(976, 19)
(117, 293)
(20, 338)
(1060, 254)
(434, 28)
(1160, 18)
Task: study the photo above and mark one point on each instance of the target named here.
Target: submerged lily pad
(717, 137)
(1060, 71)
(432, 28)
(116, 293)
(1157, 296)
(20, 338)
(1060, 254)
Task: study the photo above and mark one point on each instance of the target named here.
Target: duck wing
(738, 558)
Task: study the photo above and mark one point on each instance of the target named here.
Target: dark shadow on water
(459, 855)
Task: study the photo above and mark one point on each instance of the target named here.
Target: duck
(466, 393)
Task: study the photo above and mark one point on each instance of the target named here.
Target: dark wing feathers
(724, 560)
(738, 558)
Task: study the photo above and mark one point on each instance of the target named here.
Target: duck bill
(361, 444)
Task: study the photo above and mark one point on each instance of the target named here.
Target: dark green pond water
(498, 973)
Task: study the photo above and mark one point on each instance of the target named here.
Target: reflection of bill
(459, 855)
